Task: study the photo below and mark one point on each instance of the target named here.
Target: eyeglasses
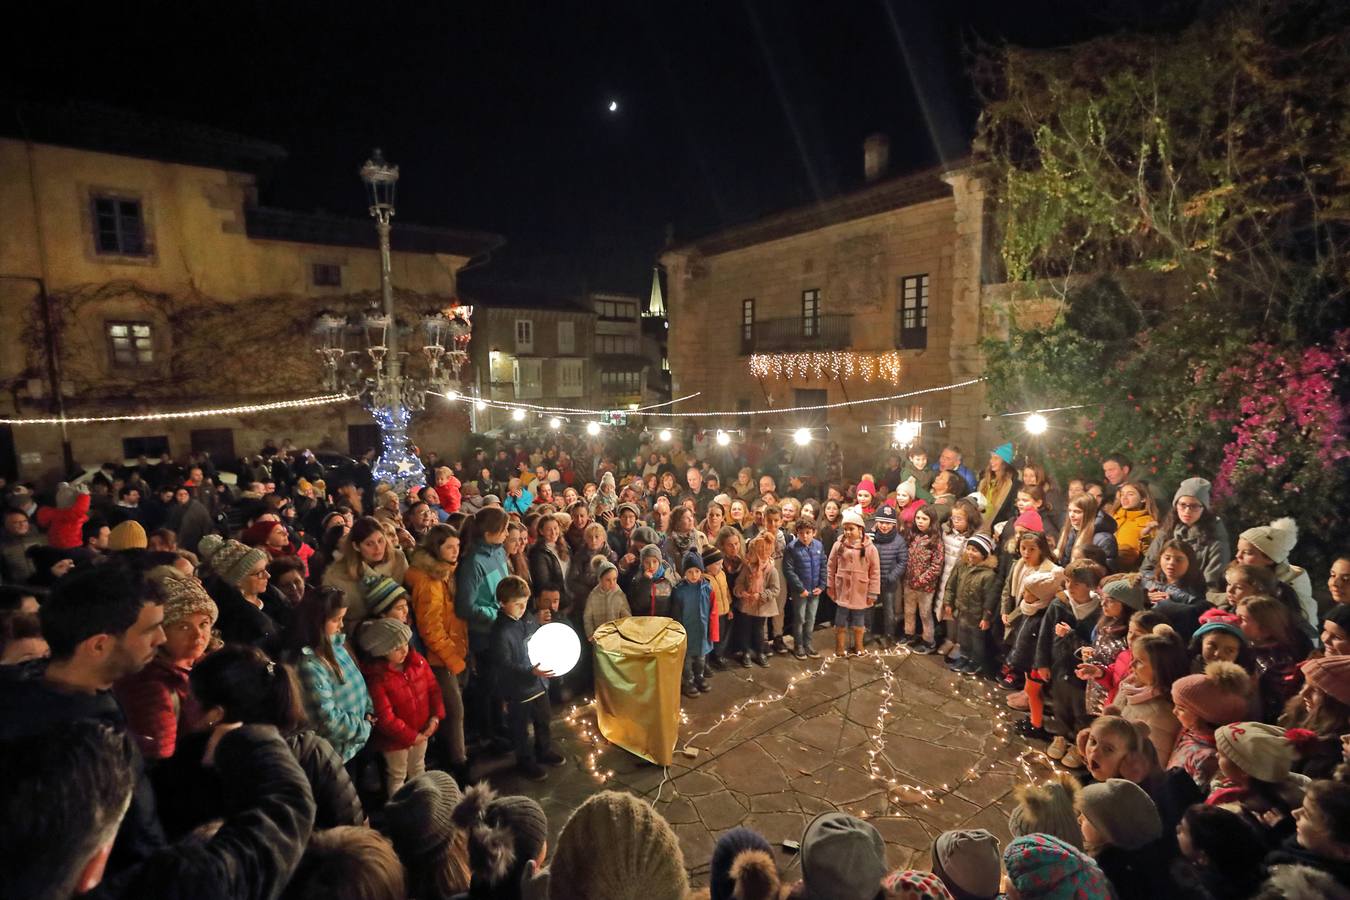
(261, 573)
(1191, 507)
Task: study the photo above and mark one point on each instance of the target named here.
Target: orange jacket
(432, 585)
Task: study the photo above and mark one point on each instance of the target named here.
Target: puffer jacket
(445, 635)
(805, 567)
(972, 592)
(63, 526)
(854, 574)
(334, 794)
(449, 493)
(1103, 535)
(1212, 554)
(1131, 542)
(953, 543)
(404, 700)
(582, 579)
(476, 590)
(893, 555)
(651, 596)
(927, 555)
(547, 569)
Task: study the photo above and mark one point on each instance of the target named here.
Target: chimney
(876, 156)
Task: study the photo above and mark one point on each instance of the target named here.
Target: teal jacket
(476, 590)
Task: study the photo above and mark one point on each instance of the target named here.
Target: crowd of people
(283, 686)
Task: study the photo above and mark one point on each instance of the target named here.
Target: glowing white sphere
(518, 415)
(906, 433)
(1037, 424)
(593, 428)
(555, 423)
(723, 439)
(664, 435)
(801, 437)
(555, 647)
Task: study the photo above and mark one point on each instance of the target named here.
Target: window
(218, 443)
(326, 275)
(149, 447)
(570, 377)
(119, 227)
(615, 383)
(567, 337)
(747, 325)
(612, 344)
(130, 343)
(527, 380)
(616, 309)
(811, 313)
(524, 336)
(914, 312)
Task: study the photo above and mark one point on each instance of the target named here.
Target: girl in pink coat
(855, 582)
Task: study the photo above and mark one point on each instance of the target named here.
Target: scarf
(1082, 610)
(1136, 693)
(879, 538)
(1030, 606)
(683, 542)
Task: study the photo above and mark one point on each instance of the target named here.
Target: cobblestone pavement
(943, 757)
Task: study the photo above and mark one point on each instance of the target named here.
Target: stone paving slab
(813, 749)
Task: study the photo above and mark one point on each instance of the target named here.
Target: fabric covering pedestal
(638, 665)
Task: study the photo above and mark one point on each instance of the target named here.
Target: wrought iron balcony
(826, 332)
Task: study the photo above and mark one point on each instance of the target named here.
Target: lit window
(130, 343)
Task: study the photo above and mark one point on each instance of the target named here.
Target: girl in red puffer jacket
(407, 700)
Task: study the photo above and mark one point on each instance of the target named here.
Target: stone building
(138, 273)
(869, 294)
(620, 363)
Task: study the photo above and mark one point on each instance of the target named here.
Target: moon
(614, 106)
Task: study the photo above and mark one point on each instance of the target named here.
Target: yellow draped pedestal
(638, 666)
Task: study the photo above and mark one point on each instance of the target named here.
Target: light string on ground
(322, 400)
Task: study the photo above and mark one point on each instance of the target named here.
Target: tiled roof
(269, 223)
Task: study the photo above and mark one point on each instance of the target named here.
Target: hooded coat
(854, 574)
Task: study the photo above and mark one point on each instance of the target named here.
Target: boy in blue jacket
(894, 554)
(522, 684)
(806, 576)
(691, 605)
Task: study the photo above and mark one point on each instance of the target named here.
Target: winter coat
(445, 635)
(1212, 554)
(255, 852)
(617, 537)
(547, 569)
(156, 699)
(892, 555)
(651, 596)
(1277, 676)
(449, 493)
(15, 566)
(336, 709)
(674, 547)
(476, 590)
(855, 574)
(63, 526)
(337, 575)
(1131, 542)
(519, 504)
(770, 593)
(1103, 535)
(1141, 705)
(191, 521)
(1297, 579)
(516, 681)
(334, 793)
(805, 567)
(1292, 853)
(1010, 603)
(404, 701)
(927, 556)
(691, 606)
(972, 592)
(603, 606)
(721, 594)
(582, 578)
(953, 544)
(1060, 654)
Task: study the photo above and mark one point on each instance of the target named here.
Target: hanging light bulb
(555, 423)
(479, 405)
(452, 396)
(518, 415)
(906, 432)
(593, 428)
(1037, 424)
(802, 437)
(664, 435)
(723, 439)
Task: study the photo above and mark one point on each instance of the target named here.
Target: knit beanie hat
(505, 833)
(646, 534)
(419, 817)
(866, 484)
(1043, 867)
(723, 500)
(207, 547)
(1030, 519)
(983, 542)
(1219, 620)
(710, 556)
(981, 502)
(968, 863)
(1004, 452)
(616, 846)
(1193, 487)
(733, 852)
(1043, 585)
(381, 593)
(128, 535)
(185, 597)
(1047, 809)
(380, 637)
(607, 479)
(66, 495)
(911, 884)
(1331, 675)
(233, 561)
(885, 514)
(843, 857)
(651, 551)
(1128, 591)
(909, 485)
(1260, 750)
(1121, 812)
(256, 534)
(600, 565)
(1217, 696)
(692, 560)
(628, 507)
(853, 517)
(1275, 540)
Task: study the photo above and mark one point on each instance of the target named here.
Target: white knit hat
(1275, 540)
(852, 516)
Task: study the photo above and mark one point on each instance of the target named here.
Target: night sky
(497, 112)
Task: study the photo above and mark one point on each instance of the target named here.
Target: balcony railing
(827, 332)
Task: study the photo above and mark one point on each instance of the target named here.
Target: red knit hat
(256, 534)
(1218, 696)
(1331, 675)
(866, 485)
(1030, 520)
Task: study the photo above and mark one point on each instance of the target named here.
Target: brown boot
(840, 638)
(858, 634)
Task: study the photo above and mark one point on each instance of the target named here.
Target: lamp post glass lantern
(375, 373)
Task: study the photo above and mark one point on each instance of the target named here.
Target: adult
(1268, 547)
(998, 486)
(249, 612)
(1116, 470)
(1192, 521)
(695, 490)
(16, 567)
(188, 518)
(681, 537)
(365, 551)
(950, 460)
(548, 557)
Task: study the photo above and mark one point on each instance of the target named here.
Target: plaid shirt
(337, 709)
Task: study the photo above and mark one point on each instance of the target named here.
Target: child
(1033, 556)
(806, 574)
(758, 593)
(520, 683)
(1176, 588)
(649, 594)
(1336, 631)
(1322, 709)
(854, 577)
(433, 849)
(1222, 854)
(1068, 626)
(1121, 830)
(1244, 581)
(1047, 809)
(1085, 525)
(691, 606)
(962, 523)
(922, 571)
(603, 501)
(1269, 546)
(1136, 519)
(1322, 832)
(408, 703)
(1277, 646)
(1122, 597)
(907, 503)
(1038, 589)
(893, 555)
(1145, 695)
(507, 838)
(972, 592)
(916, 470)
(1202, 703)
(773, 526)
(605, 603)
(1257, 783)
(1220, 638)
(719, 631)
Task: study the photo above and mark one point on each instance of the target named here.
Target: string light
(555, 423)
(480, 405)
(593, 428)
(1036, 424)
(535, 407)
(518, 415)
(324, 400)
(838, 365)
(801, 437)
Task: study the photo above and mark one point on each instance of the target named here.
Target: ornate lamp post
(391, 396)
